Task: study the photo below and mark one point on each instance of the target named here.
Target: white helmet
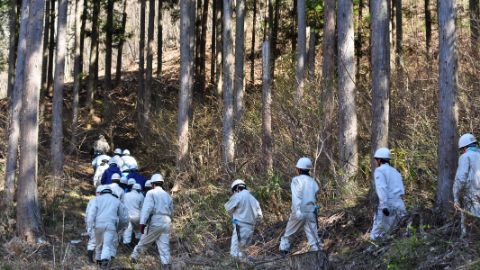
(125, 168)
(118, 151)
(131, 181)
(237, 182)
(133, 167)
(382, 153)
(116, 176)
(124, 180)
(156, 178)
(304, 163)
(137, 187)
(148, 184)
(466, 140)
(126, 152)
(99, 189)
(106, 189)
(113, 161)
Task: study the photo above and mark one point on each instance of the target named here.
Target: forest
(205, 92)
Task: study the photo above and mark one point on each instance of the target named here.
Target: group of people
(120, 209)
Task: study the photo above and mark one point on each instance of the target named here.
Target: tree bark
(12, 46)
(252, 52)
(228, 72)
(160, 39)
(28, 212)
(301, 50)
(108, 52)
(447, 113)
(213, 43)
(82, 33)
(77, 73)
(203, 45)
(314, 260)
(398, 35)
(273, 18)
(348, 148)
(311, 54)
(186, 81)
(198, 36)
(56, 146)
(118, 73)
(141, 64)
(380, 74)
(149, 76)
(51, 51)
(293, 34)
(474, 24)
(93, 63)
(359, 39)
(428, 27)
(46, 38)
(266, 109)
(219, 47)
(239, 79)
(16, 105)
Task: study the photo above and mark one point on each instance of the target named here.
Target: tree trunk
(428, 27)
(141, 65)
(118, 73)
(28, 211)
(252, 53)
(267, 109)
(198, 36)
(293, 34)
(219, 49)
(314, 260)
(239, 79)
(398, 34)
(447, 113)
(274, 34)
(380, 74)
(160, 39)
(474, 24)
(348, 149)
(15, 106)
(149, 77)
(186, 80)
(51, 51)
(203, 45)
(213, 45)
(108, 53)
(359, 39)
(77, 73)
(311, 54)
(301, 50)
(93, 63)
(82, 32)
(228, 71)
(46, 38)
(57, 111)
(12, 46)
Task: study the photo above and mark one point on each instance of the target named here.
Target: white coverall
(107, 215)
(133, 200)
(304, 190)
(97, 177)
(246, 211)
(468, 177)
(118, 160)
(389, 188)
(130, 161)
(158, 207)
(91, 233)
(98, 160)
(117, 191)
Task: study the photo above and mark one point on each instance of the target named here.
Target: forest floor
(200, 237)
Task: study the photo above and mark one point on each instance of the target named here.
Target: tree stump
(315, 260)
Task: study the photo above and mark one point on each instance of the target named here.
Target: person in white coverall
(467, 178)
(304, 190)
(246, 212)
(100, 165)
(91, 233)
(133, 201)
(157, 212)
(106, 216)
(117, 154)
(389, 188)
(115, 186)
(128, 160)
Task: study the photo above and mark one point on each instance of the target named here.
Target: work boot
(90, 256)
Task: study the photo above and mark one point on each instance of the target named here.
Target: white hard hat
(118, 151)
(125, 167)
(99, 189)
(106, 189)
(466, 140)
(113, 161)
(131, 181)
(148, 184)
(116, 176)
(156, 178)
(133, 167)
(126, 152)
(304, 163)
(382, 153)
(124, 179)
(137, 187)
(238, 182)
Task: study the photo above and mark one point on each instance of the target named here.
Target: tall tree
(57, 111)
(348, 149)
(428, 26)
(141, 63)
(51, 50)
(186, 80)
(398, 36)
(219, 47)
(118, 72)
(93, 63)
(203, 45)
(301, 49)
(447, 113)
(160, 39)
(239, 78)
(149, 76)
(46, 38)
(12, 45)
(380, 73)
(228, 72)
(252, 52)
(311, 53)
(359, 39)
(82, 32)
(213, 46)
(108, 48)
(474, 23)
(28, 211)
(16, 105)
(267, 108)
(77, 72)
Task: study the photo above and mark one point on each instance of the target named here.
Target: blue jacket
(107, 175)
(140, 179)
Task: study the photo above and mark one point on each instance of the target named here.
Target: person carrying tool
(389, 188)
(246, 212)
(157, 212)
(466, 188)
(304, 198)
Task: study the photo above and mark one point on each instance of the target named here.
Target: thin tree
(398, 39)
(51, 51)
(301, 50)
(160, 38)
(93, 63)
(141, 64)
(46, 39)
(186, 79)
(447, 113)
(56, 146)
(16, 105)
(359, 39)
(239, 79)
(252, 52)
(380, 74)
(228, 72)
(77, 72)
(203, 45)
(428, 27)
(108, 50)
(118, 72)
(348, 149)
(267, 108)
(12, 45)
(474, 23)
(149, 76)
(82, 32)
(213, 46)
(219, 47)
(28, 212)
(311, 53)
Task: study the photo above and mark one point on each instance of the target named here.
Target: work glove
(142, 228)
(386, 212)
